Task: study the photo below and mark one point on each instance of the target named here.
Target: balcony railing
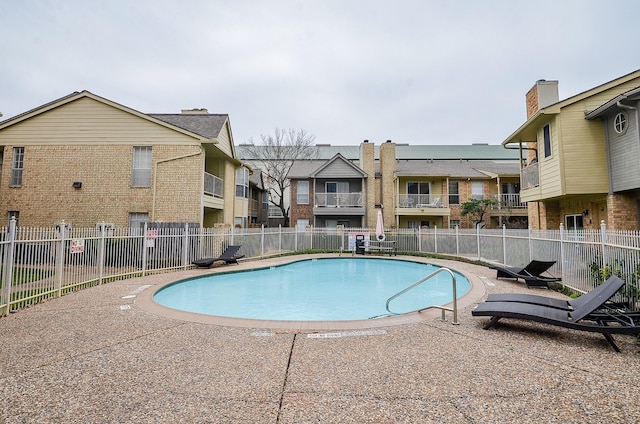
(213, 185)
(420, 201)
(530, 176)
(338, 200)
(508, 201)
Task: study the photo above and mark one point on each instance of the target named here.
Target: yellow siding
(224, 140)
(549, 167)
(87, 121)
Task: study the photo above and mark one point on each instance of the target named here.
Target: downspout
(155, 177)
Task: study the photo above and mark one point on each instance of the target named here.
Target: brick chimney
(196, 111)
(387, 171)
(368, 165)
(541, 95)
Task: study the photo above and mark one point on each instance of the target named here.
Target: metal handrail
(443, 308)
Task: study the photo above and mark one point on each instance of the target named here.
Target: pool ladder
(454, 309)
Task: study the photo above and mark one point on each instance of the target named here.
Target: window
(546, 133)
(141, 175)
(419, 193)
(17, 165)
(453, 223)
(574, 222)
(477, 190)
(265, 201)
(454, 193)
(620, 123)
(303, 192)
(240, 222)
(337, 187)
(242, 182)
(136, 222)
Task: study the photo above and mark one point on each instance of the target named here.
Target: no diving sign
(77, 246)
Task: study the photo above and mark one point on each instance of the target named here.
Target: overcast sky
(413, 71)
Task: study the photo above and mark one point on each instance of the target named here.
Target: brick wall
(300, 211)
(46, 195)
(622, 212)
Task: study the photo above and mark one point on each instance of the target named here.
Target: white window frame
(477, 190)
(302, 197)
(620, 123)
(242, 183)
(141, 172)
(17, 166)
(135, 219)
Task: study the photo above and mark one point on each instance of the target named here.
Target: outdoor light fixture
(77, 184)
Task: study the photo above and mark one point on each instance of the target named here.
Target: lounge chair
(564, 304)
(592, 315)
(532, 274)
(229, 256)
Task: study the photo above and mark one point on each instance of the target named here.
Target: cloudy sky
(413, 71)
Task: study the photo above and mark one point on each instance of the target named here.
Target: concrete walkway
(97, 356)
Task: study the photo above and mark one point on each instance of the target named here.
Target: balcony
(213, 186)
(338, 204)
(530, 176)
(508, 201)
(338, 200)
(422, 205)
(420, 201)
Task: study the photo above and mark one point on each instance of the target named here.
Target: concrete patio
(100, 356)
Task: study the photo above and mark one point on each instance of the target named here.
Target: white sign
(77, 246)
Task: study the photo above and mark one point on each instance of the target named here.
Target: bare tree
(275, 157)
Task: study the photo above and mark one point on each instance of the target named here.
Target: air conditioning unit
(106, 228)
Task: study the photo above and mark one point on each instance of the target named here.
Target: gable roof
(338, 158)
(86, 94)
(613, 103)
(407, 151)
(458, 168)
(206, 125)
(529, 130)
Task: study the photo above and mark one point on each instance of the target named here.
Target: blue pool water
(331, 289)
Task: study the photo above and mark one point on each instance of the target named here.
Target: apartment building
(84, 159)
(581, 156)
(411, 191)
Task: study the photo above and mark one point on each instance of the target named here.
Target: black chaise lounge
(229, 256)
(592, 315)
(564, 304)
(532, 274)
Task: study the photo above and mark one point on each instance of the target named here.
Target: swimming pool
(326, 289)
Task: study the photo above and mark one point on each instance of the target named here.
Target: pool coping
(144, 300)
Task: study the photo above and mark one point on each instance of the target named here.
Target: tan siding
(224, 141)
(339, 169)
(87, 121)
(550, 180)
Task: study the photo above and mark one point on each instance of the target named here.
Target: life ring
(381, 237)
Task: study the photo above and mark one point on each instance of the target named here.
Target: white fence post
(7, 271)
(185, 249)
(504, 244)
(101, 253)
(435, 238)
(279, 238)
(562, 248)
(478, 239)
(144, 249)
(529, 235)
(262, 241)
(457, 240)
(419, 239)
(60, 258)
(603, 232)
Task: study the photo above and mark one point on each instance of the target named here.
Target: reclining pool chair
(564, 304)
(592, 315)
(229, 256)
(531, 274)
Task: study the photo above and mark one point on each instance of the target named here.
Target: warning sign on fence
(77, 246)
